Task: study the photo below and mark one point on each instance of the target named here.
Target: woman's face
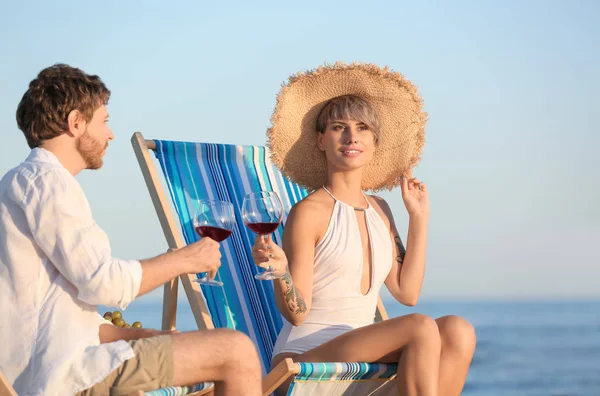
(348, 144)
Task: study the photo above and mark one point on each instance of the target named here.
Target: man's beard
(90, 150)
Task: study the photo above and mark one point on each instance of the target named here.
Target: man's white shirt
(56, 266)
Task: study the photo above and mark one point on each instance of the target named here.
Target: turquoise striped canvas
(228, 172)
(345, 371)
(345, 379)
(179, 390)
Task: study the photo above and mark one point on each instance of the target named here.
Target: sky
(511, 89)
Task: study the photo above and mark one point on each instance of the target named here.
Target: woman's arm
(293, 292)
(408, 267)
(405, 279)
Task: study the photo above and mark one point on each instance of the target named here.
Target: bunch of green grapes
(116, 318)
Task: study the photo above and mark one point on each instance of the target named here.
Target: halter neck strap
(355, 208)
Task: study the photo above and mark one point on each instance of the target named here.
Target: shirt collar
(42, 155)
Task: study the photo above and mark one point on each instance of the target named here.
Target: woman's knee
(424, 327)
(457, 333)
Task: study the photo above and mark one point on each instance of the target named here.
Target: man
(56, 267)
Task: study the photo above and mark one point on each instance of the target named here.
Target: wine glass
(214, 220)
(262, 212)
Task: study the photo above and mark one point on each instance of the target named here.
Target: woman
(340, 130)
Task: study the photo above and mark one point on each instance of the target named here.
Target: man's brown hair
(57, 90)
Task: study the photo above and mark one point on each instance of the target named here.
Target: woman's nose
(352, 136)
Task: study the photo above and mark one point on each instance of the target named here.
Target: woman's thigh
(379, 342)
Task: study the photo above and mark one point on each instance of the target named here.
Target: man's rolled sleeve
(61, 223)
(102, 288)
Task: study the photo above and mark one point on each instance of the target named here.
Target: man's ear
(77, 124)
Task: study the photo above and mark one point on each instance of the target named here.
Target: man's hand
(112, 333)
(201, 256)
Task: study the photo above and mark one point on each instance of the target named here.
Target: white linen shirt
(55, 268)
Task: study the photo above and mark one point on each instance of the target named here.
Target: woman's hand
(414, 195)
(268, 255)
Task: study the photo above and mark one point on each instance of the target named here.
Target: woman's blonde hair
(350, 107)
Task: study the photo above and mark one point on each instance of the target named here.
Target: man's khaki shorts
(150, 369)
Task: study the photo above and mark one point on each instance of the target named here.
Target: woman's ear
(320, 145)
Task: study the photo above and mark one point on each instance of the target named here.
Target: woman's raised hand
(414, 195)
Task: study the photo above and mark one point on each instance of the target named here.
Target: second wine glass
(262, 212)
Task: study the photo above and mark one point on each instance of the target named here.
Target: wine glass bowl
(215, 220)
(262, 213)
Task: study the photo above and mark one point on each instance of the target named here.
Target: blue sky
(511, 89)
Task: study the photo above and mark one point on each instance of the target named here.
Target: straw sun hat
(292, 137)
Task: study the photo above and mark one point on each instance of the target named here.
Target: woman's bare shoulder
(313, 212)
(382, 207)
(313, 204)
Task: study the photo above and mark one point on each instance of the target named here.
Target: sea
(529, 348)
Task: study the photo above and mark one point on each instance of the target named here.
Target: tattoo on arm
(293, 298)
(401, 250)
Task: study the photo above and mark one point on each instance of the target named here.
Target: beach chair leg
(5, 388)
(278, 375)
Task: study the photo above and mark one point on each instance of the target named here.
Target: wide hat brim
(292, 137)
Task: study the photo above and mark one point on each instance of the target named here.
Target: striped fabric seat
(228, 172)
(179, 390)
(344, 379)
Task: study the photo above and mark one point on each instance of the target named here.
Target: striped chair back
(196, 171)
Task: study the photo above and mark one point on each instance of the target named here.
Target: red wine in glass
(262, 212)
(214, 220)
(214, 233)
(263, 228)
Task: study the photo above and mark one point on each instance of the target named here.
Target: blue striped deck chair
(195, 171)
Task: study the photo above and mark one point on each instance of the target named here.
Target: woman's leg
(458, 346)
(412, 341)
